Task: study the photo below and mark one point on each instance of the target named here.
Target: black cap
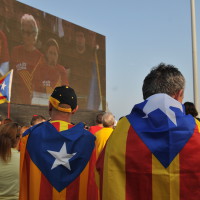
(64, 95)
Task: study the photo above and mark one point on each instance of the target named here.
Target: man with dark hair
(154, 151)
(54, 154)
(99, 123)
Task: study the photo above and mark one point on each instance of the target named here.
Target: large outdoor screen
(45, 51)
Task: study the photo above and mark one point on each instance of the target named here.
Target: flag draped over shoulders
(152, 154)
(54, 161)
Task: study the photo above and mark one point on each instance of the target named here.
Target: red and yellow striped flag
(145, 160)
(36, 185)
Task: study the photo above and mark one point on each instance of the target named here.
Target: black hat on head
(64, 95)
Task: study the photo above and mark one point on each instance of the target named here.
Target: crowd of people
(152, 153)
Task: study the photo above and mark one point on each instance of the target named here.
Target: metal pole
(194, 55)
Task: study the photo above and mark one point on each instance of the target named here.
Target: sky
(139, 35)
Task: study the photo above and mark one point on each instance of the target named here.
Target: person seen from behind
(99, 123)
(191, 109)
(9, 161)
(55, 153)
(153, 153)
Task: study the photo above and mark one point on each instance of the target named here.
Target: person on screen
(4, 54)
(48, 75)
(25, 59)
(153, 153)
(81, 67)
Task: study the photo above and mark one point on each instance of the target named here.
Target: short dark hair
(190, 109)
(163, 79)
(36, 118)
(99, 118)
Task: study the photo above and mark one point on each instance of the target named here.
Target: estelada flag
(54, 162)
(5, 87)
(152, 154)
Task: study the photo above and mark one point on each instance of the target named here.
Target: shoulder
(60, 68)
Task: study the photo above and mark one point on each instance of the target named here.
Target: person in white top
(9, 161)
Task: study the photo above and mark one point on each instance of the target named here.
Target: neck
(80, 49)
(61, 116)
(100, 125)
(29, 47)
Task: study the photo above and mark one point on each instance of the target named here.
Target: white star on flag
(3, 86)
(61, 157)
(162, 102)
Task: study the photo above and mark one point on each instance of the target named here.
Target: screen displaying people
(45, 52)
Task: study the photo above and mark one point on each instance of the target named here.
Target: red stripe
(2, 97)
(138, 168)
(190, 168)
(46, 190)
(92, 189)
(2, 80)
(70, 126)
(27, 160)
(99, 167)
(72, 191)
(56, 125)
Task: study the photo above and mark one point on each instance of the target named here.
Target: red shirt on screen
(4, 54)
(46, 78)
(24, 64)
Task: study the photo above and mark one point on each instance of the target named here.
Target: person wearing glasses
(25, 59)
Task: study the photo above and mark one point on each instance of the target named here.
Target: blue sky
(139, 35)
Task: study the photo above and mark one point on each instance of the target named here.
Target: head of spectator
(62, 103)
(52, 52)
(9, 138)
(23, 129)
(108, 120)
(1, 120)
(99, 119)
(7, 120)
(36, 119)
(29, 31)
(164, 79)
(190, 109)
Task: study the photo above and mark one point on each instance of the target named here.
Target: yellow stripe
(63, 124)
(26, 77)
(114, 184)
(59, 195)
(198, 124)
(83, 183)
(34, 183)
(165, 181)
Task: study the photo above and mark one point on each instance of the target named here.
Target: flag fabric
(5, 87)
(54, 162)
(152, 154)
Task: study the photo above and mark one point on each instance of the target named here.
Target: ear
(50, 106)
(74, 110)
(179, 95)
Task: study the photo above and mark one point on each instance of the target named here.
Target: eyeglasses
(28, 33)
